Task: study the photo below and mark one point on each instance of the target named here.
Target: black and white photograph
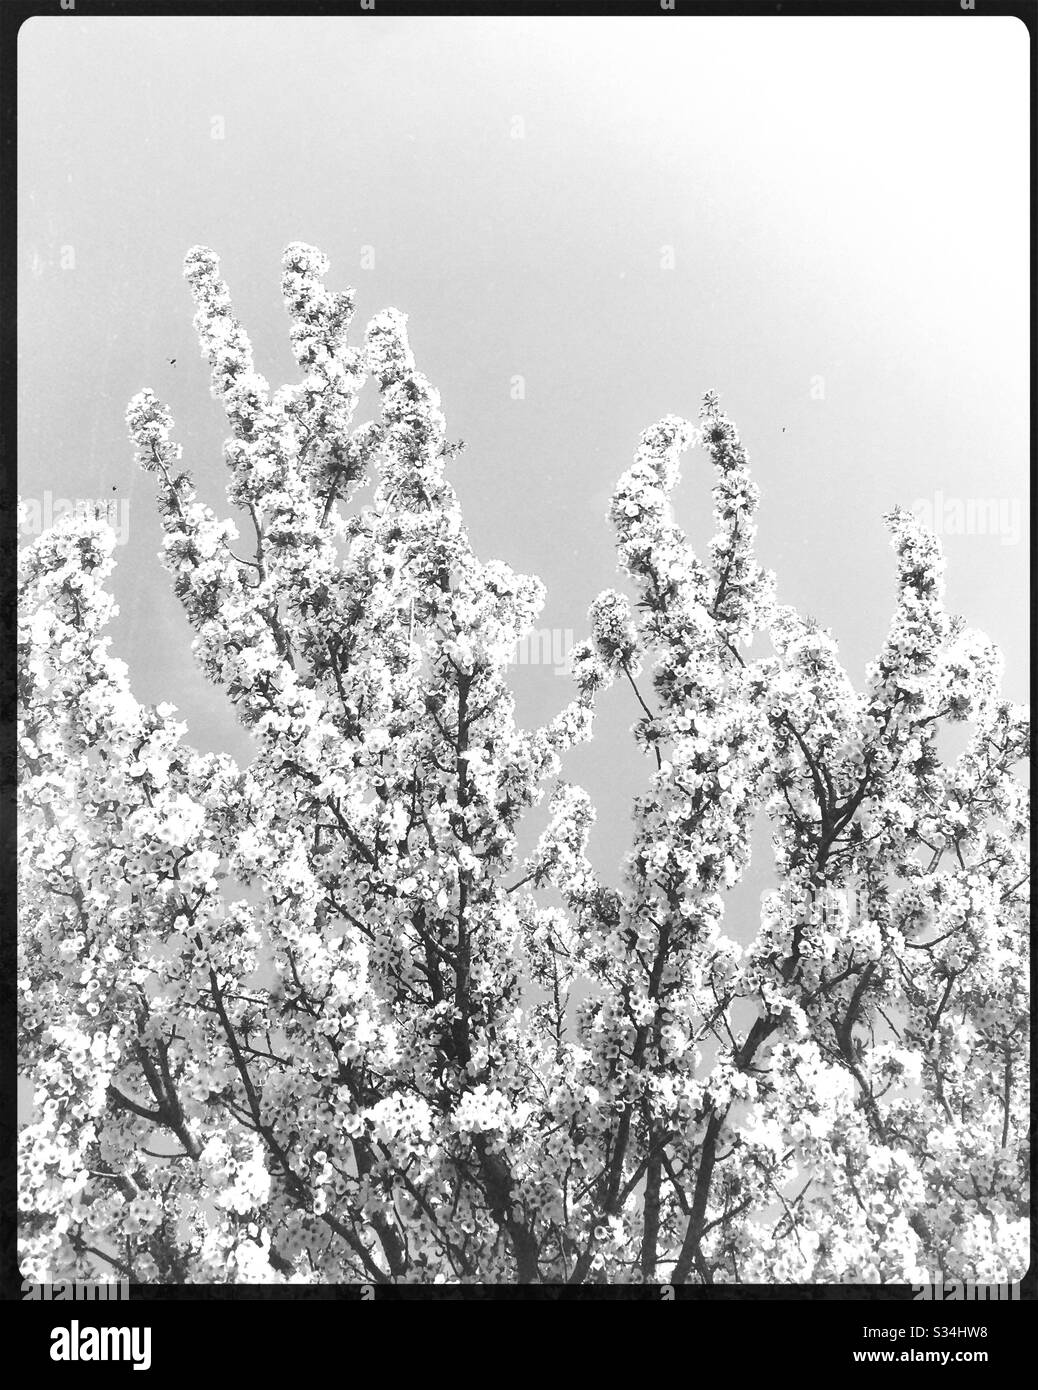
(523, 530)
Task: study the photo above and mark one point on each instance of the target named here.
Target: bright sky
(824, 220)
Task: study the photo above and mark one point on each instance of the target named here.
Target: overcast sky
(824, 220)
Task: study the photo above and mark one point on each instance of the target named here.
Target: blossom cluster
(314, 1019)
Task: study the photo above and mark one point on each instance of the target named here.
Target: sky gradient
(824, 220)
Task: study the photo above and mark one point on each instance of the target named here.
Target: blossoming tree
(400, 1055)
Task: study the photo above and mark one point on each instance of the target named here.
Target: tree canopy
(316, 1019)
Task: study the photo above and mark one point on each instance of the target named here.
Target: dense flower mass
(312, 1020)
